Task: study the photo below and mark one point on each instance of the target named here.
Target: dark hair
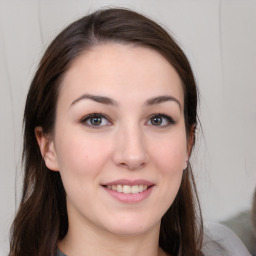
(42, 219)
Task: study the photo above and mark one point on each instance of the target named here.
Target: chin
(133, 227)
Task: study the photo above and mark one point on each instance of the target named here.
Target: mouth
(128, 189)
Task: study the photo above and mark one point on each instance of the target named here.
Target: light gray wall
(219, 38)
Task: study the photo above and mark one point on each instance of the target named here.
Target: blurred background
(219, 38)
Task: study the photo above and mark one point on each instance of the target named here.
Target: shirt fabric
(59, 253)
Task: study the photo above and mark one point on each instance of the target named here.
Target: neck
(87, 240)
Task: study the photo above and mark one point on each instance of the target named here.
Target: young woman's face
(120, 140)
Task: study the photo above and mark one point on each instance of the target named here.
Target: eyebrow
(97, 98)
(162, 99)
(109, 101)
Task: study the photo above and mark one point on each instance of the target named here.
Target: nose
(130, 148)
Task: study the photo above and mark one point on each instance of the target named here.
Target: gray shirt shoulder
(220, 240)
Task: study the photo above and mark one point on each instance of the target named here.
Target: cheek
(80, 154)
(170, 160)
(81, 159)
(171, 154)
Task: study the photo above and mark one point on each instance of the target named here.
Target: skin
(127, 143)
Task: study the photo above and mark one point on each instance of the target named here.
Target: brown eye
(95, 120)
(161, 120)
(156, 120)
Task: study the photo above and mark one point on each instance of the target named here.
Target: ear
(47, 149)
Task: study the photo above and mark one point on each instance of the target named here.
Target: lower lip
(129, 198)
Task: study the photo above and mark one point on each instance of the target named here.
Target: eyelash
(170, 120)
(84, 120)
(95, 115)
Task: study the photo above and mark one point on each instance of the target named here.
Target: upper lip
(129, 182)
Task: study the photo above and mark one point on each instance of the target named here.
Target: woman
(109, 126)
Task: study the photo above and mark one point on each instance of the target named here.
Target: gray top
(59, 253)
(242, 225)
(220, 240)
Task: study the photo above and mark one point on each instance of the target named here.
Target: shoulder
(220, 240)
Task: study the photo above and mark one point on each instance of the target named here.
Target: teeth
(141, 188)
(135, 189)
(119, 188)
(126, 189)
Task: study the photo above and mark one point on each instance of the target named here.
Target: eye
(96, 120)
(161, 120)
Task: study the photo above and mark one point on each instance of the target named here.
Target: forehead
(122, 70)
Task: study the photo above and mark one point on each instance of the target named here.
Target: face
(119, 141)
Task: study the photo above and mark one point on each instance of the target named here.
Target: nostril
(131, 154)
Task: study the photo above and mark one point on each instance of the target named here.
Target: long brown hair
(42, 220)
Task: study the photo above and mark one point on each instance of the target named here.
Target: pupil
(156, 120)
(96, 120)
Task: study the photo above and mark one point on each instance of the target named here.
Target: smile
(129, 191)
(126, 189)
